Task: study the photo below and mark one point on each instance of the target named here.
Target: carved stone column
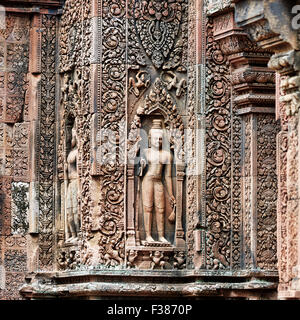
(287, 66)
(268, 23)
(253, 101)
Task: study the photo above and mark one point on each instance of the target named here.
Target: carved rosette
(218, 151)
(111, 115)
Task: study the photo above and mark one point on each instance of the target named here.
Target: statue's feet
(69, 240)
(72, 240)
(149, 239)
(163, 240)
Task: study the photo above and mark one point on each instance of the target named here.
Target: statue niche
(155, 184)
(72, 218)
(156, 173)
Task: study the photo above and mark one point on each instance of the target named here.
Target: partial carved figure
(71, 174)
(132, 255)
(156, 258)
(112, 254)
(170, 80)
(179, 258)
(140, 82)
(153, 191)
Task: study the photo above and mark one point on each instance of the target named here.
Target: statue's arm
(168, 178)
(66, 170)
(142, 164)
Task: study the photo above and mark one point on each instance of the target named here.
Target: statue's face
(74, 137)
(156, 138)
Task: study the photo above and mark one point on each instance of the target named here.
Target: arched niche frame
(158, 104)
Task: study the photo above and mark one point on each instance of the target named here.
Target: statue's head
(157, 253)
(156, 134)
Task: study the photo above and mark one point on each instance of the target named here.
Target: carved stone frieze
(266, 192)
(74, 161)
(14, 259)
(20, 207)
(218, 166)
(47, 149)
(5, 205)
(138, 149)
(14, 50)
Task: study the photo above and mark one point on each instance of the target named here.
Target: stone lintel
(248, 110)
(148, 283)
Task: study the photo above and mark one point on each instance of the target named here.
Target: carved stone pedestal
(98, 284)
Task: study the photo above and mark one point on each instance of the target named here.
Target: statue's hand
(172, 200)
(172, 216)
(143, 165)
(143, 162)
(66, 169)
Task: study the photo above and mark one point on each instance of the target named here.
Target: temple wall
(92, 204)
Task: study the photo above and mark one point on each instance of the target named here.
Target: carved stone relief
(74, 223)
(20, 207)
(47, 148)
(145, 159)
(154, 76)
(15, 158)
(155, 192)
(218, 166)
(266, 193)
(71, 192)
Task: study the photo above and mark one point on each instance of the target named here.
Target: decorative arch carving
(158, 104)
(159, 101)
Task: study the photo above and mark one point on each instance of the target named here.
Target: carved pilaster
(253, 98)
(46, 159)
(287, 66)
(269, 25)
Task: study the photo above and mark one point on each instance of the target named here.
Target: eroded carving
(153, 189)
(71, 174)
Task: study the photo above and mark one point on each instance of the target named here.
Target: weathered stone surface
(92, 205)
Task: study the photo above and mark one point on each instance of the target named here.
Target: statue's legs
(147, 194)
(159, 202)
(72, 211)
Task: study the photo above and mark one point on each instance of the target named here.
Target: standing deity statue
(71, 183)
(159, 163)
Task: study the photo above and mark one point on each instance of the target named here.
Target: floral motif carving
(158, 23)
(76, 105)
(47, 148)
(266, 193)
(191, 210)
(14, 57)
(218, 166)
